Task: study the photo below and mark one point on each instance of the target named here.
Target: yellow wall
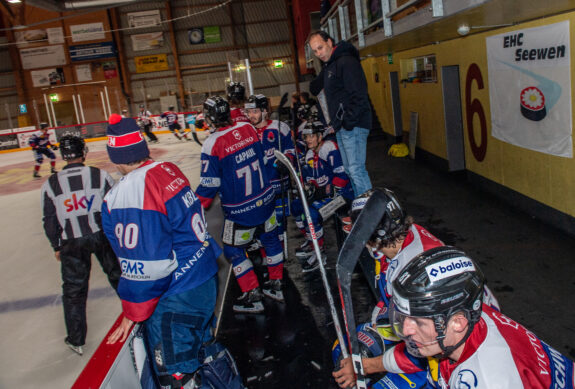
(545, 178)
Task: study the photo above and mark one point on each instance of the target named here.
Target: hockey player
(233, 165)
(40, 143)
(437, 311)
(145, 121)
(155, 224)
(325, 180)
(71, 202)
(171, 117)
(236, 99)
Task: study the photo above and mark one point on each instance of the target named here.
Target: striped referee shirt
(72, 202)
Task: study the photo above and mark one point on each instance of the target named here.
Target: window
(419, 69)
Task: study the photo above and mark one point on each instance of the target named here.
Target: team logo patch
(449, 268)
(237, 135)
(466, 379)
(259, 203)
(271, 136)
(169, 170)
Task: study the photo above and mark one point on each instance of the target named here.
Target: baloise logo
(76, 203)
(449, 267)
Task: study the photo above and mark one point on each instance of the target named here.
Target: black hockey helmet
(236, 91)
(217, 111)
(437, 284)
(171, 108)
(43, 125)
(72, 147)
(257, 101)
(393, 219)
(315, 127)
(142, 106)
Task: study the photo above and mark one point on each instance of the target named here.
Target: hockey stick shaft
(284, 216)
(283, 159)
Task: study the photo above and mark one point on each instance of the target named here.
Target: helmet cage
(313, 128)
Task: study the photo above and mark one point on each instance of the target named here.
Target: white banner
(152, 40)
(83, 72)
(41, 57)
(144, 18)
(47, 77)
(87, 32)
(530, 88)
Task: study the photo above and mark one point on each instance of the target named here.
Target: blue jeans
(352, 146)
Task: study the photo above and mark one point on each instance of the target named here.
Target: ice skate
(77, 349)
(250, 302)
(273, 289)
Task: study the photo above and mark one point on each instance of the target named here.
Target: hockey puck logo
(533, 104)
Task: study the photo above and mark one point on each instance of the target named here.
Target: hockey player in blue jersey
(155, 224)
(325, 181)
(40, 143)
(171, 117)
(274, 135)
(233, 165)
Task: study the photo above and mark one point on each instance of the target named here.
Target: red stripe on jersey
(163, 182)
(339, 182)
(125, 140)
(139, 311)
(206, 202)
(233, 140)
(403, 362)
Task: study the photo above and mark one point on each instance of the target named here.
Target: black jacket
(345, 87)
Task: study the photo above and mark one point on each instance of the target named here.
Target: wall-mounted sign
(83, 72)
(47, 77)
(278, 64)
(110, 70)
(153, 40)
(144, 18)
(22, 108)
(87, 32)
(92, 51)
(40, 57)
(209, 34)
(151, 63)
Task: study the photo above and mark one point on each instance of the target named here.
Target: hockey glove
(54, 147)
(282, 169)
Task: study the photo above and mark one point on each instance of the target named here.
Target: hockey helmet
(72, 147)
(171, 108)
(43, 125)
(257, 101)
(315, 127)
(217, 111)
(142, 106)
(392, 221)
(236, 91)
(437, 284)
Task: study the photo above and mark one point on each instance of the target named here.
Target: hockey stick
(352, 248)
(283, 159)
(284, 216)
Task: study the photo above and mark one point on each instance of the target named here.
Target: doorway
(453, 123)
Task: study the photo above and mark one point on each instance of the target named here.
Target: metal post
(343, 22)
(360, 24)
(230, 71)
(76, 109)
(386, 20)
(35, 105)
(53, 113)
(48, 110)
(249, 75)
(108, 100)
(7, 108)
(81, 108)
(103, 105)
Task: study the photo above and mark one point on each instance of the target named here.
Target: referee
(71, 203)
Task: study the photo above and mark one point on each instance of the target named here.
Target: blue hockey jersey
(325, 168)
(39, 140)
(156, 226)
(272, 138)
(233, 165)
(171, 117)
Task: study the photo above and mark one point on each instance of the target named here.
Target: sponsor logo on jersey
(75, 203)
(271, 136)
(133, 270)
(175, 185)
(187, 265)
(210, 182)
(169, 170)
(558, 362)
(449, 268)
(241, 143)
